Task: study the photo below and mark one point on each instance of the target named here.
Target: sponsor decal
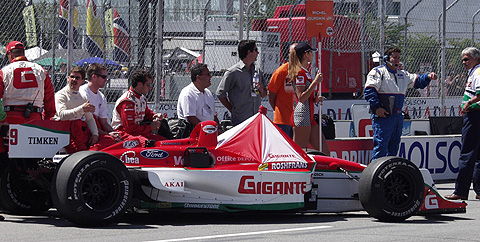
(42, 140)
(288, 165)
(248, 185)
(209, 129)
(178, 160)
(129, 157)
(276, 156)
(174, 184)
(263, 167)
(300, 80)
(130, 144)
(154, 154)
(170, 143)
(431, 202)
(317, 174)
(227, 158)
(164, 205)
(202, 205)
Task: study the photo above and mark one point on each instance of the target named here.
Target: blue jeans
(287, 129)
(386, 135)
(468, 163)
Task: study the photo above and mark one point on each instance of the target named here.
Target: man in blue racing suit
(385, 90)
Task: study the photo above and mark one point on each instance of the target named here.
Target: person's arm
(304, 93)
(371, 95)
(68, 114)
(272, 98)
(92, 126)
(48, 99)
(2, 85)
(193, 120)
(106, 125)
(226, 103)
(223, 88)
(126, 109)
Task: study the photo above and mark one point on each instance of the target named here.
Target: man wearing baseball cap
(25, 87)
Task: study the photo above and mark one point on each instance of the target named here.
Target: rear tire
(20, 194)
(391, 189)
(92, 188)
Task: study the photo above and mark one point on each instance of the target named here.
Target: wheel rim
(25, 193)
(100, 189)
(399, 189)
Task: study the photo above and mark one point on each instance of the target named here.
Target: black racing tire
(92, 188)
(391, 189)
(20, 194)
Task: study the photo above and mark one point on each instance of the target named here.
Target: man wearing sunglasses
(75, 106)
(97, 77)
(131, 115)
(468, 166)
(196, 102)
(237, 90)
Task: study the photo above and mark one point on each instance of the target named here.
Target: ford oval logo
(154, 154)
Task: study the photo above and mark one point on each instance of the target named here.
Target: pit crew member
(385, 90)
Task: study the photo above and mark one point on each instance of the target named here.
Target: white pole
(320, 94)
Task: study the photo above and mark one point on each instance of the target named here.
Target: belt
(21, 109)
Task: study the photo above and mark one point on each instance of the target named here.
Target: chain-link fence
(127, 34)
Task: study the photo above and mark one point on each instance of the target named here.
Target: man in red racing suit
(131, 114)
(25, 88)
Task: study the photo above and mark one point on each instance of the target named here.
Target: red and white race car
(252, 166)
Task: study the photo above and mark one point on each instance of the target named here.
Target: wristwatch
(470, 102)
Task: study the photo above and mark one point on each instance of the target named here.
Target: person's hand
(466, 107)
(88, 107)
(318, 78)
(93, 139)
(260, 87)
(157, 116)
(432, 76)
(115, 135)
(319, 99)
(155, 125)
(382, 113)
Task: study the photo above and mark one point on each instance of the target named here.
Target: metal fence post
(473, 26)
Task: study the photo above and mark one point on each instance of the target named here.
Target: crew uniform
(303, 112)
(382, 83)
(23, 82)
(69, 107)
(82, 125)
(130, 110)
(469, 155)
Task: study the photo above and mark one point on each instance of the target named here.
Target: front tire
(391, 189)
(92, 188)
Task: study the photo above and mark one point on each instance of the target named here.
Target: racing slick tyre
(391, 189)
(20, 194)
(92, 188)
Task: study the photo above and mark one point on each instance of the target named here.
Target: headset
(386, 59)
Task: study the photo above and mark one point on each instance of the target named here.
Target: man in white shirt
(97, 77)
(196, 102)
